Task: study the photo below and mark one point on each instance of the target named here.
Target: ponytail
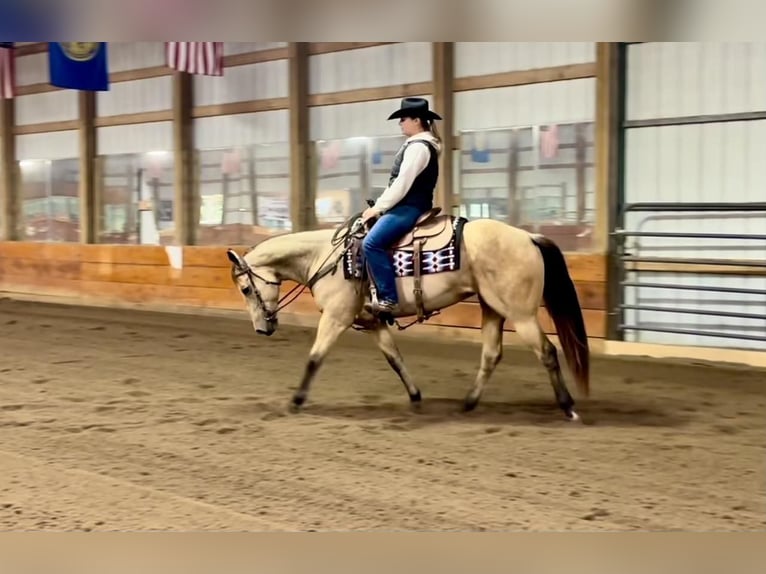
(434, 131)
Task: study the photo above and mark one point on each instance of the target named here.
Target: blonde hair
(434, 131)
(430, 126)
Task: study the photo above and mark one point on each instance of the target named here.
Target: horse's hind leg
(491, 353)
(531, 333)
(390, 350)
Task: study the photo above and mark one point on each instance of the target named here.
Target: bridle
(269, 314)
(242, 268)
(351, 227)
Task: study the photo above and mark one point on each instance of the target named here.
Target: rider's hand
(369, 213)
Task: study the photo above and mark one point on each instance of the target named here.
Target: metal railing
(625, 262)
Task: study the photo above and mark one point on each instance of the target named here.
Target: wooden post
(90, 214)
(8, 172)
(302, 211)
(610, 74)
(607, 134)
(186, 202)
(443, 77)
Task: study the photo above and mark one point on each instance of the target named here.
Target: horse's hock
(187, 416)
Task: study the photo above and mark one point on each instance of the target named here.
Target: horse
(443, 260)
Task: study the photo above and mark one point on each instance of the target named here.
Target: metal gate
(678, 275)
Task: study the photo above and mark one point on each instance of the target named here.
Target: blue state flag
(79, 65)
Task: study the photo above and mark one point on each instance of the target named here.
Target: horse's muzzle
(271, 327)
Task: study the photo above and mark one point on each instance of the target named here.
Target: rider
(410, 193)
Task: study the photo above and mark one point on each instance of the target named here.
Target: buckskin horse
(444, 260)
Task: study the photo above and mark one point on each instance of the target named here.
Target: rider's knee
(368, 243)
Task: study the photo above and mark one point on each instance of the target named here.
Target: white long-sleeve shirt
(415, 160)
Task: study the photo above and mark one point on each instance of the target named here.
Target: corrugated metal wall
(696, 163)
(513, 106)
(48, 162)
(259, 81)
(515, 181)
(138, 161)
(391, 64)
(346, 164)
(244, 159)
(55, 106)
(241, 129)
(135, 96)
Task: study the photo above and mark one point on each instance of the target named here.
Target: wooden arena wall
(143, 276)
(293, 94)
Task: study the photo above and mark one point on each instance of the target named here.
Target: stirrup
(380, 308)
(373, 306)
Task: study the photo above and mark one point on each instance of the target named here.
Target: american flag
(549, 141)
(204, 58)
(7, 71)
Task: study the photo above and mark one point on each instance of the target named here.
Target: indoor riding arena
(136, 395)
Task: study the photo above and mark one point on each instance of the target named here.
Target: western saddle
(431, 233)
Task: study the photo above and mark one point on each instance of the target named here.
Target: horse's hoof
(470, 404)
(416, 398)
(416, 406)
(573, 417)
(297, 403)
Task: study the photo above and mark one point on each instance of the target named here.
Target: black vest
(421, 193)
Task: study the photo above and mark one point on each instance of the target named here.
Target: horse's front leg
(328, 332)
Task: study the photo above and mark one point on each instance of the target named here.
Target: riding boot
(381, 307)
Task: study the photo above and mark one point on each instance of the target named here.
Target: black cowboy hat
(414, 108)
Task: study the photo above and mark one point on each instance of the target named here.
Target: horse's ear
(235, 258)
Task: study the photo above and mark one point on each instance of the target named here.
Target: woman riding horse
(410, 194)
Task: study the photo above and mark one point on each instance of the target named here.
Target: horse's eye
(246, 291)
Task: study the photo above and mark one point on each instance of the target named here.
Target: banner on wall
(231, 162)
(330, 154)
(480, 148)
(79, 65)
(377, 153)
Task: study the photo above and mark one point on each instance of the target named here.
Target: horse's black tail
(560, 298)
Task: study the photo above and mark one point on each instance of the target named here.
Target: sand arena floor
(114, 420)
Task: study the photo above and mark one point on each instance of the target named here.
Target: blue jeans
(388, 229)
